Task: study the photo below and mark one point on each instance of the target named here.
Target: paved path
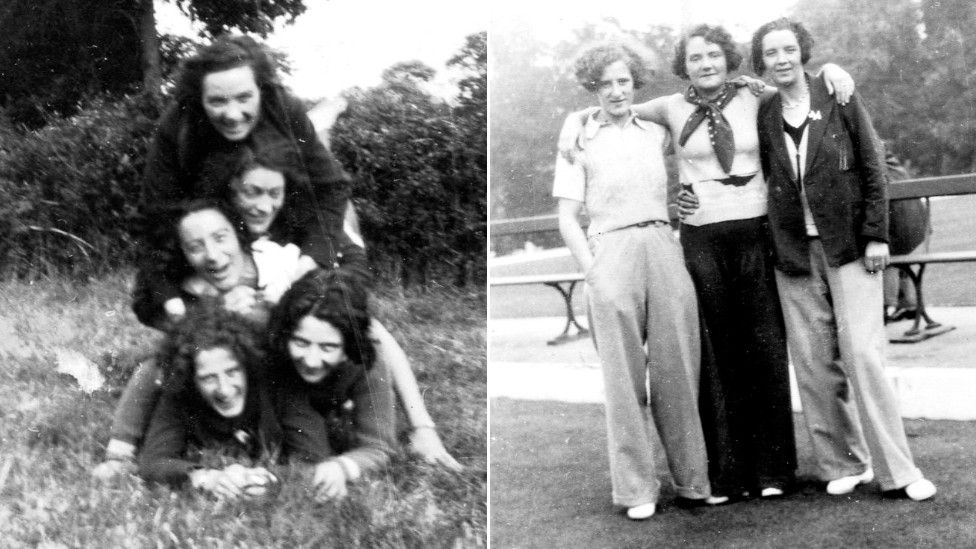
(934, 379)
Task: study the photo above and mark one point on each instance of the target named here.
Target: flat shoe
(771, 492)
(643, 511)
(846, 485)
(920, 490)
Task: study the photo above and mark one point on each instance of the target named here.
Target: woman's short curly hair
(713, 34)
(175, 265)
(593, 61)
(208, 327)
(803, 37)
(224, 53)
(336, 296)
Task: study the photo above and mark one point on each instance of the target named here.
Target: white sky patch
(554, 22)
(338, 44)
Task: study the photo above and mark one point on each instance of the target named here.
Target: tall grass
(52, 434)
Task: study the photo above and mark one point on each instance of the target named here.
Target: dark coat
(844, 180)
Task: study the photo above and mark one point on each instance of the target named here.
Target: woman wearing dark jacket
(828, 212)
(213, 398)
(325, 374)
(228, 96)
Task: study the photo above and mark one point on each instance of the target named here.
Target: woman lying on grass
(214, 398)
(210, 248)
(321, 356)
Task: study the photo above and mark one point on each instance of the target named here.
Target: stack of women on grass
(790, 179)
(241, 199)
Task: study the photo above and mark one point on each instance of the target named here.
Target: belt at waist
(642, 224)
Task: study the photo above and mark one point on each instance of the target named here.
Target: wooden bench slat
(935, 257)
(534, 279)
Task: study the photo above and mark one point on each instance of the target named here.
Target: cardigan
(303, 407)
(844, 181)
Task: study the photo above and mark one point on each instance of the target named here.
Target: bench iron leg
(570, 316)
(932, 328)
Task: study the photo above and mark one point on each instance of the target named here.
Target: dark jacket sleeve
(330, 186)
(305, 436)
(161, 458)
(870, 155)
(372, 396)
(161, 188)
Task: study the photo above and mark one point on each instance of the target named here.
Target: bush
(70, 189)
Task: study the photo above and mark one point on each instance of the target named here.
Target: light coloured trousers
(835, 332)
(638, 291)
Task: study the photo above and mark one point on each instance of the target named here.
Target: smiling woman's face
(706, 65)
(221, 380)
(316, 348)
(212, 248)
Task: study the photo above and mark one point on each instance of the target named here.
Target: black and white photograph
(731, 290)
(243, 254)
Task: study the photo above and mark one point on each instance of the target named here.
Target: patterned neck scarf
(719, 130)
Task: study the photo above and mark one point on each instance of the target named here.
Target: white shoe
(641, 512)
(921, 489)
(846, 485)
(771, 492)
(716, 500)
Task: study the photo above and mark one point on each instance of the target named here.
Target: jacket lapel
(774, 124)
(820, 106)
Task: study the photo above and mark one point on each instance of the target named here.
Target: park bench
(564, 283)
(913, 264)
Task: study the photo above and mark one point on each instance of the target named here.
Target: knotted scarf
(719, 130)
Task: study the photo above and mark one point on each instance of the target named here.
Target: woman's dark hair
(336, 296)
(803, 38)
(176, 266)
(220, 170)
(224, 53)
(713, 34)
(593, 61)
(208, 327)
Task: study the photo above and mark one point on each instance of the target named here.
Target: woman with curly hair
(214, 397)
(745, 395)
(324, 370)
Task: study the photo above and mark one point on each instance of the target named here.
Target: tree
(420, 167)
(471, 151)
(54, 53)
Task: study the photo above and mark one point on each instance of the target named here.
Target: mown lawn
(52, 433)
(550, 487)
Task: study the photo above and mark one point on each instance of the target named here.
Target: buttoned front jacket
(844, 180)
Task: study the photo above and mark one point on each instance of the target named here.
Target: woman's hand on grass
(329, 481)
(175, 309)
(425, 442)
(225, 484)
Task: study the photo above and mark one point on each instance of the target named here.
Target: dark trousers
(745, 390)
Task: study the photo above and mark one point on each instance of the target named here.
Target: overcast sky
(554, 20)
(337, 44)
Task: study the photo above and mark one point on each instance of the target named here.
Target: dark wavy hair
(336, 296)
(803, 37)
(224, 53)
(176, 266)
(208, 327)
(713, 34)
(219, 171)
(593, 61)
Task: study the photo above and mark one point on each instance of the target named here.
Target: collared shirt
(619, 176)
